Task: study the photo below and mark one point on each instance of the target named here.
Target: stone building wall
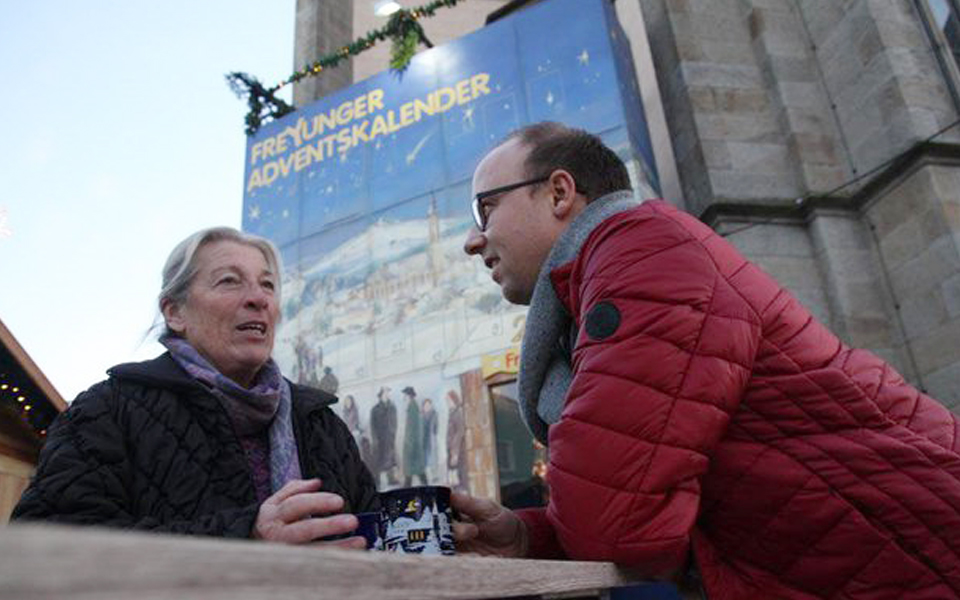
(773, 106)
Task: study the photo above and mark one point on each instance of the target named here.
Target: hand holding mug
(487, 528)
(299, 513)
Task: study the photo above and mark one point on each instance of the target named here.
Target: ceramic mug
(371, 528)
(417, 520)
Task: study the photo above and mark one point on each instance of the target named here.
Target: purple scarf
(266, 404)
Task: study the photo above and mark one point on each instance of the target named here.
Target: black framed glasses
(479, 212)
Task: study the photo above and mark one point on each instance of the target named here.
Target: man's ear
(567, 203)
(173, 315)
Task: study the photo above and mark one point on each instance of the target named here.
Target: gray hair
(181, 266)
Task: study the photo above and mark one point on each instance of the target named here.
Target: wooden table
(50, 561)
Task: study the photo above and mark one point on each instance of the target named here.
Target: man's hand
(298, 514)
(488, 528)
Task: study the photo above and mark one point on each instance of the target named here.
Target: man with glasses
(692, 408)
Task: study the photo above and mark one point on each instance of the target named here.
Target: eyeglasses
(480, 215)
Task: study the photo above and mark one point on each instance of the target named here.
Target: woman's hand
(488, 528)
(298, 514)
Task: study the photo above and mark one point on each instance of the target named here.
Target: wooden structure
(28, 404)
(54, 561)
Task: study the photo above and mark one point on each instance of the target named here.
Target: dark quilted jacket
(721, 417)
(152, 449)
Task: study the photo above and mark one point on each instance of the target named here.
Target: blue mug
(371, 528)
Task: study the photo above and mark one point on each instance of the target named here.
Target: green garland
(402, 28)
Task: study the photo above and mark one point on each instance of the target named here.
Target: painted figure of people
(383, 429)
(413, 463)
(303, 360)
(351, 416)
(456, 443)
(329, 382)
(429, 438)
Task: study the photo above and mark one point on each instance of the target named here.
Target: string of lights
(28, 404)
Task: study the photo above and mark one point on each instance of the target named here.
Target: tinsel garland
(402, 28)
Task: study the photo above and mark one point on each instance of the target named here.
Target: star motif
(468, 114)
(254, 212)
(550, 98)
(286, 213)
(329, 189)
(584, 57)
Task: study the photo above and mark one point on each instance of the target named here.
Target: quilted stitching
(137, 455)
(804, 398)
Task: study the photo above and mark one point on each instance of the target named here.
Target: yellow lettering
(406, 114)
(375, 100)
(343, 140)
(270, 173)
(256, 180)
(379, 126)
(268, 147)
(360, 107)
(328, 144)
(420, 107)
(306, 133)
(478, 84)
(301, 158)
(360, 132)
(323, 121)
(441, 105)
(282, 143)
(256, 153)
(285, 165)
(315, 151)
(295, 132)
(344, 113)
(463, 91)
(392, 121)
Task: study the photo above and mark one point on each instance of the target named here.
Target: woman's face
(231, 310)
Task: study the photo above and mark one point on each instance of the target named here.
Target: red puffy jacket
(721, 416)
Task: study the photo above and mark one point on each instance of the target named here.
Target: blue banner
(367, 193)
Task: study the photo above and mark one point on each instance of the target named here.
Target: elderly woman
(208, 438)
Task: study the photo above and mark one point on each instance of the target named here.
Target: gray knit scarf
(266, 404)
(550, 334)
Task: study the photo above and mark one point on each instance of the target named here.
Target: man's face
(520, 225)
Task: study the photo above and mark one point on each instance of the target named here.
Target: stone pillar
(916, 222)
(322, 27)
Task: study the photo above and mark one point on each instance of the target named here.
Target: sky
(120, 138)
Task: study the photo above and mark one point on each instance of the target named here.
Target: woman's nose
(257, 297)
(475, 241)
